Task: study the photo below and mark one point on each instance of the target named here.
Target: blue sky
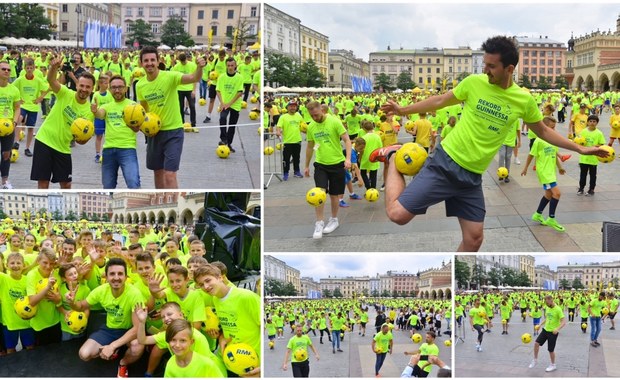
(318, 265)
(367, 27)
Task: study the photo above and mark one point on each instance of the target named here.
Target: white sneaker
(331, 225)
(479, 348)
(318, 229)
(533, 363)
(517, 161)
(551, 368)
(7, 186)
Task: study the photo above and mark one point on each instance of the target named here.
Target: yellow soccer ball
(303, 127)
(151, 124)
(268, 151)
(212, 322)
(524, 314)
(371, 195)
(280, 330)
(244, 104)
(253, 99)
(187, 127)
(482, 314)
(82, 129)
(42, 284)
(253, 115)
(502, 172)
(202, 101)
(504, 321)
(77, 321)
(526, 338)
(300, 355)
(447, 343)
(23, 308)
(584, 325)
(580, 140)
(222, 151)
(6, 127)
(410, 158)
(416, 338)
(279, 146)
(21, 135)
(133, 115)
(341, 335)
(610, 157)
(14, 155)
(536, 327)
(271, 344)
(213, 75)
(240, 358)
(605, 311)
(409, 125)
(316, 196)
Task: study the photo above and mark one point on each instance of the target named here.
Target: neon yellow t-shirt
(102, 99)
(10, 290)
(489, 114)
(580, 122)
(82, 293)
(161, 96)
(511, 138)
(295, 343)
(546, 165)
(474, 313)
(553, 317)
(229, 86)
(382, 341)
(55, 131)
(596, 306)
(119, 309)
(246, 72)
(187, 68)
(427, 349)
(9, 95)
(337, 323)
(593, 138)
(192, 305)
(117, 133)
(291, 133)
(47, 315)
(423, 133)
(30, 89)
(200, 366)
(353, 124)
(326, 137)
(239, 313)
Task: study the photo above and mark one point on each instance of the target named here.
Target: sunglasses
(5, 69)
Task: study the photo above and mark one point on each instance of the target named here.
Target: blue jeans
(336, 339)
(379, 362)
(595, 326)
(203, 89)
(127, 160)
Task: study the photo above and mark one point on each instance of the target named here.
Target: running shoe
(318, 230)
(551, 222)
(380, 154)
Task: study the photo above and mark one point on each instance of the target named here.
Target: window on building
(526, 70)
(183, 12)
(558, 71)
(542, 53)
(549, 70)
(458, 60)
(140, 12)
(155, 11)
(280, 45)
(128, 11)
(231, 14)
(155, 28)
(201, 15)
(64, 27)
(229, 30)
(428, 60)
(331, 78)
(526, 61)
(253, 12)
(466, 60)
(534, 70)
(438, 70)
(534, 62)
(558, 62)
(438, 60)
(534, 53)
(170, 11)
(214, 14)
(214, 30)
(382, 69)
(199, 30)
(526, 53)
(420, 70)
(449, 60)
(331, 66)
(420, 60)
(428, 70)
(450, 69)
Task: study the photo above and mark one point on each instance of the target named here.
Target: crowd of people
(298, 323)
(97, 85)
(154, 288)
(357, 132)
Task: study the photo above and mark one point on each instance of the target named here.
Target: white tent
(283, 89)
(180, 47)
(268, 89)
(163, 47)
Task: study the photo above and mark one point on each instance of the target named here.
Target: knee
(398, 214)
(473, 240)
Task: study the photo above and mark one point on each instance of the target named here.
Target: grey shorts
(442, 179)
(164, 150)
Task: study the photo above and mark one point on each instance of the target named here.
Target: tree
(24, 20)
(337, 293)
(509, 276)
(173, 32)
(289, 289)
(243, 35)
(94, 217)
(279, 70)
(525, 81)
(478, 275)
(56, 215)
(404, 81)
(523, 279)
(577, 283)
(383, 80)
(544, 83)
(141, 32)
(2, 214)
(71, 215)
(105, 217)
(564, 284)
(374, 293)
(494, 277)
(385, 293)
(365, 292)
(461, 273)
(560, 82)
(309, 75)
(462, 76)
(327, 293)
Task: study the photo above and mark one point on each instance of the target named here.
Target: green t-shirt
(55, 131)
(546, 164)
(326, 138)
(201, 366)
(382, 341)
(593, 138)
(296, 343)
(82, 293)
(596, 306)
(102, 99)
(505, 311)
(47, 314)
(9, 95)
(162, 98)
(30, 89)
(511, 138)
(291, 134)
(474, 314)
(364, 317)
(117, 133)
(427, 349)
(192, 305)
(553, 317)
(490, 113)
(353, 123)
(229, 86)
(337, 323)
(240, 317)
(187, 68)
(373, 141)
(119, 309)
(11, 290)
(246, 72)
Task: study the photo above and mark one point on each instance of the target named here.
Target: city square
(432, 69)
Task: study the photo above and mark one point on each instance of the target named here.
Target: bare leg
(473, 235)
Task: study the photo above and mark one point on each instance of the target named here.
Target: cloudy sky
(318, 265)
(368, 27)
(554, 260)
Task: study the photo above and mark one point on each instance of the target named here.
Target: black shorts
(547, 336)
(419, 372)
(164, 150)
(363, 324)
(49, 164)
(330, 177)
(212, 92)
(611, 315)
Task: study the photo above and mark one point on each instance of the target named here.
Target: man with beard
(52, 150)
(119, 148)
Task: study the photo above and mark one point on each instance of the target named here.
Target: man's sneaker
(207, 120)
(339, 350)
(380, 154)
(7, 186)
(97, 158)
(612, 328)
(342, 203)
(298, 175)
(517, 161)
(596, 343)
(551, 222)
(318, 229)
(565, 157)
(16, 145)
(122, 371)
(532, 364)
(28, 153)
(580, 192)
(551, 368)
(479, 348)
(537, 217)
(285, 177)
(355, 196)
(590, 193)
(231, 149)
(506, 180)
(332, 224)
(382, 187)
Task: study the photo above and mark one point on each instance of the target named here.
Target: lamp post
(341, 77)
(78, 10)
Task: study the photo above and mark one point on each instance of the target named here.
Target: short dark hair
(115, 261)
(593, 117)
(148, 50)
(504, 46)
(87, 75)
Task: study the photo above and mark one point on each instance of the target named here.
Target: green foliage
(337, 293)
(26, 20)
(309, 75)
(141, 32)
(383, 80)
(525, 81)
(274, 287)
(173, 32)
(462, 273)
(404, 81)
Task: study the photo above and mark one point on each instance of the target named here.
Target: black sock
(553, 206)
(542, 205)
